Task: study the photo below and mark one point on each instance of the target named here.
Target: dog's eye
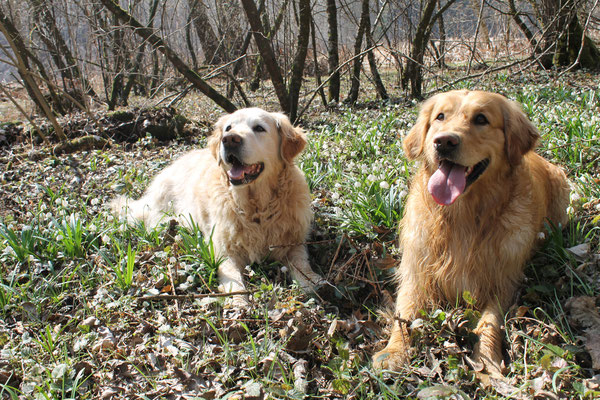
(227, 128)
(480, 119)
(440, 117)
(259, 128)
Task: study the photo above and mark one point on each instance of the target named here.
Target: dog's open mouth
(241, 173)
(450, 180)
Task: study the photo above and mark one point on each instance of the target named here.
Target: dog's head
(463, 135)
(251, 143)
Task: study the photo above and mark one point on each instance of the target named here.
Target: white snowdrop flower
(92, 228)
(178, 238)
(59, 237)
(335, 196)
(384, 185)
(105, 238)
(122, 228)
(95, 201)
(337, 210)
(541, 235)
(357, 184)
(284, 269)
(570, 210)
(371, 177)
(403, 194)
(597, 207)
(58, 201)
(575, 197)
(172, 260)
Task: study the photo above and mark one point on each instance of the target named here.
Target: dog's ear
(293, 139)
(520, 135)
(215, 139)
(414, 142)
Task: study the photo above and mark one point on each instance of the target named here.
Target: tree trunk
(563, 42)
(188, 41)
(357, 65)
(20, 52)
(149, 35)
(300, 58)
(213, 53)
(257, 75)
(333, 57)
(379, 87)
(573, 48)
(413, 73)
(313, 37)
(266, 52)
(69, 69)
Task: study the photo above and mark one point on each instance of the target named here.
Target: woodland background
(97, 97)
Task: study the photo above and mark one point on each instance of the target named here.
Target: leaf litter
(104, 343)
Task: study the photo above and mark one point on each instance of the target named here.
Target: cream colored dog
(475, 208)
(245, 191)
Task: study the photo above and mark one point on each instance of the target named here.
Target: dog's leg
(297, 261)
(489, 348)
(396, 354)
(231, 279)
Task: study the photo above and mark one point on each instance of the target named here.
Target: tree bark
(148, 35)
(300, 58)
(357, 65)
(379, 86)
(213, 53)
(256, 76)
(266, 52)
(563, 42)
(413, 73)
(20, 52)
(333, 57)
(58, 48)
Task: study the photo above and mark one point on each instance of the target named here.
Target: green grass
(65, 261)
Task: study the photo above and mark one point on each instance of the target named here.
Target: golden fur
(482, 240)
(269, 216)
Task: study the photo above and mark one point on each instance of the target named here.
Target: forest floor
(85, 310)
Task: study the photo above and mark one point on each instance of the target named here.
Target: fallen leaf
(581, 250)
(583, 313)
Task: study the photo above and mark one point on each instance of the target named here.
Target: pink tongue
(236, 172)
(447, 183)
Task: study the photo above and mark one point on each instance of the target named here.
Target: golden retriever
(473, 215)
(244, 191)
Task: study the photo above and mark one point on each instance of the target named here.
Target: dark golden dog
(473, 215)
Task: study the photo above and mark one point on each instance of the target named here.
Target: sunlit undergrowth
(83, 296)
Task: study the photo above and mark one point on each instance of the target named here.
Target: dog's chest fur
(263, 222)
(479, 244)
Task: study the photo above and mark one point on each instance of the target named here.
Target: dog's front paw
(488, 362)
(391, 359)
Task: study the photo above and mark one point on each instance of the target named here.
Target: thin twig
(193, 296)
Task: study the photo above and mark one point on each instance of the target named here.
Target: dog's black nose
(446, 143)
(231, 141)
